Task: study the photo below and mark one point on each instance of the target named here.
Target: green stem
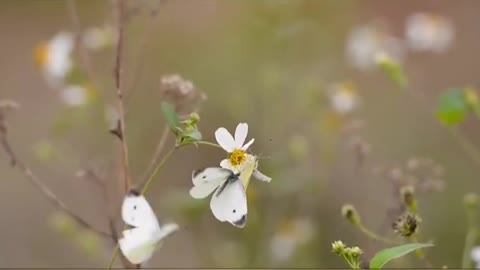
(200, 142)
(157, 170)
(470, 238)
(348, 260)
(375, 236)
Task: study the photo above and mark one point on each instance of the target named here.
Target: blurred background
(329, 126)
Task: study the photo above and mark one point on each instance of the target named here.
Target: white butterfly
(139, 242)
(229, 202)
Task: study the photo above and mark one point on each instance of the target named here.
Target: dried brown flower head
(406, 225)
(181, 93)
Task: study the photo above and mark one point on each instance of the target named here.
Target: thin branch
(120, 5)
(158, 149)
(17, 163)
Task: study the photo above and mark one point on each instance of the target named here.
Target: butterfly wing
(138, 244)
(205, 181)
(230, 203)
(136, 211)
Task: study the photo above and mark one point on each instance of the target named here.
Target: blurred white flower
(289, 237)
(54, 57)
(475, 254)
(428, 32)
(74, 95)
(343, 97)
(97, 38)
(364, 42)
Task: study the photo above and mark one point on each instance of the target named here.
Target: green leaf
(386, 255)
(452, 107)
(392, 69)
(171, 116)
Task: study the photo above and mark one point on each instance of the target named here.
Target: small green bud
(194, 118)
(338, 247)
(350, 213)
(355, 252)
(471, 200)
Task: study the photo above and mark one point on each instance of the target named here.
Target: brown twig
(120, 5)
(17, 163)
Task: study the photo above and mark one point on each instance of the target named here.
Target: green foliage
(386, 255)
(185, 131)
(452, 107)
(171, 116)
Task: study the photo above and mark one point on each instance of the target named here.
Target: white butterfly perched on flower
(139, 242)
(229, 202)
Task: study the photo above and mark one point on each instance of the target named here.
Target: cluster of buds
(181, 93)
(352, 255)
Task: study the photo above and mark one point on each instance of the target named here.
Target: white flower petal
(260, 176)
(241, 134)
(245, 147)
(75, 95)
(226, 164)
(225, 139)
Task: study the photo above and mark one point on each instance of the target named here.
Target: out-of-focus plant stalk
(471, 207)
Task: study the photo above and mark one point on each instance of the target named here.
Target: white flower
(475, 254)
(239, 160)
(365, 42)
(54, 57)
(427, 32)
(343, 97)
(234, 146)
(97, 38)
(74, 95)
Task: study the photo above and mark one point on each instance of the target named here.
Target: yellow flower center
(42, 54)
(237, 157)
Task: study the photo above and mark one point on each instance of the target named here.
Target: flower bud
(350, 213)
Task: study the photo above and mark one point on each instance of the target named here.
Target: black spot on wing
(241, 222)
(197, 172)
(133, 192)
